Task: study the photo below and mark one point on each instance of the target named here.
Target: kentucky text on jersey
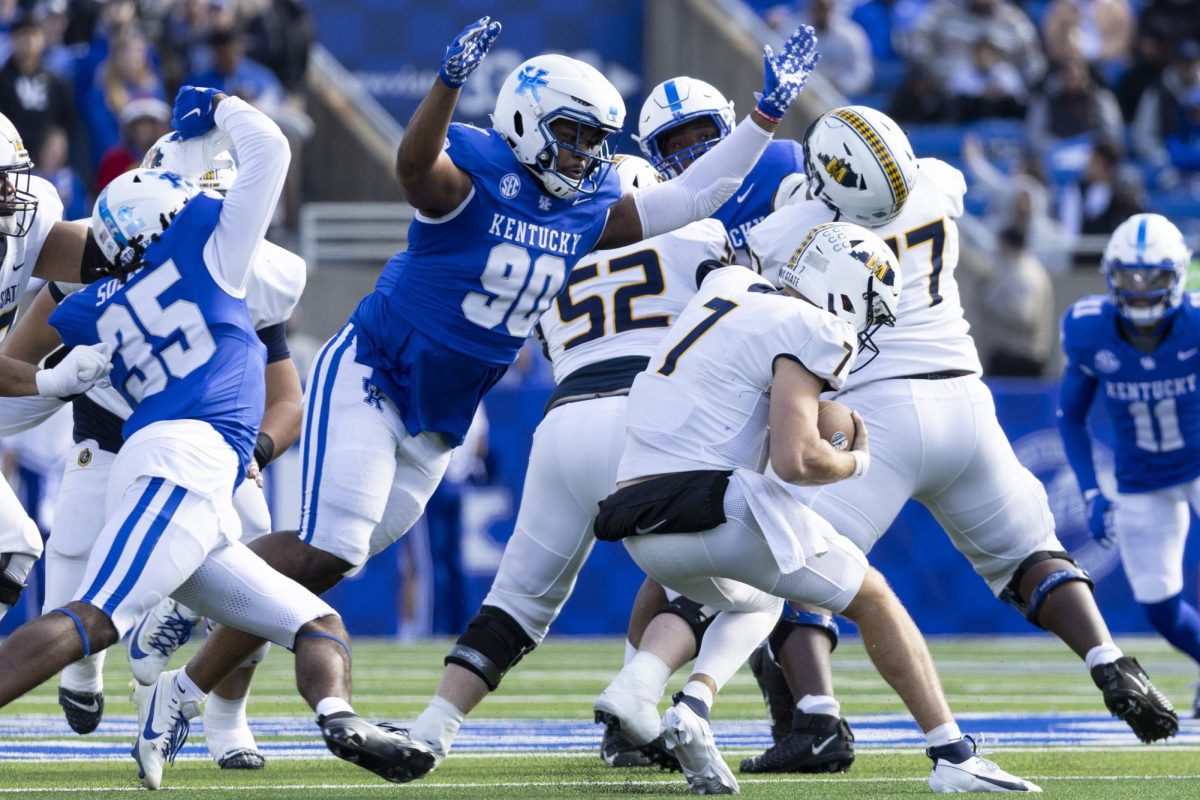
(1151, 390)
(533, 235)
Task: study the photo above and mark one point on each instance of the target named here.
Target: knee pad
(255, 658)
(1030, 608)
(10, 587)
(691, 612)
(492, 644)
(793, 619)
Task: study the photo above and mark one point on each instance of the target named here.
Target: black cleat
(660, 756)
(83, 710)
(387, 751)
(816, 743)
(776, 694)
(243, 758)
(1130, 695)
(617, 750)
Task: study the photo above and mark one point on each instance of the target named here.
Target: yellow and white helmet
(859, 163)
(18, 205)
(190, 159)
(635, 173)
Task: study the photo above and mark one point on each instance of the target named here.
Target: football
(835, 424)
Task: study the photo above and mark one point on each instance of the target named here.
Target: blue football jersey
(1151, 398)
(756, 197)
(183, 347)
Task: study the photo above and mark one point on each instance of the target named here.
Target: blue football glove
(467, 50)
(1100, 517)
(194, 112)
(784, 75)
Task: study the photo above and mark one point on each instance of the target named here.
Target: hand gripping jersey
(1151, 398)
(931, 334)
(19, 254)
(703, 401)
(755, 199)
(184, 348)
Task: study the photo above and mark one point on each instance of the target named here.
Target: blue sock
(1178, 622)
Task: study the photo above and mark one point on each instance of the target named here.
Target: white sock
(85, 675)
(700, 691)
(819, 704)
(1102, 654)
(438, 724)
(645, 675)
(228, 713)
(329, 706)
(630, 652)
(943, 735)
(187, 687)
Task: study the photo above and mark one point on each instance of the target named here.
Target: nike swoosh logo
(135, 652)
(148, 732)
(91, 707)
(1184, 355)
(651, 529)
(745, 194)
(1140, 684)
(193, 111)
(817, 750)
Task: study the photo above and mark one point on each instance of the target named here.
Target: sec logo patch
(510, 186)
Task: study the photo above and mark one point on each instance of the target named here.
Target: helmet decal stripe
(674, 101)
(109, 222)
(880, 150)
(1141, 239)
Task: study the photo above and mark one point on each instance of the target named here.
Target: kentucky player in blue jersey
(1139, 347)
(683, 118)
(188, 362)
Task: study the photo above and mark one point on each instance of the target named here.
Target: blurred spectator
(1072, 105)
(279, 36)
(919, 99)
(1016, 311)
(235, 74)
(988, 86)
(143, 122)
(1174, 20)
(30, 95)
(1151, 54)
(60, 57)
(185, 37)
(10, 12)
(117, 18)
(125, 75)
(1099, 31)
(1166, 115)
(947, 33)
(1103, 197)
(845, 50)
(51, 162)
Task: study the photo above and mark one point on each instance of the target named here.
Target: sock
(819, 704)
(645, 675)
(438, 724)
(187, 687)
(328, 706)
(943, 735)
(630, 652)
(1102, 654)
(1178, 623)
(230, 713)
(698, 697)
(85, 675)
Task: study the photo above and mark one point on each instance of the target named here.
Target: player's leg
(20, 548)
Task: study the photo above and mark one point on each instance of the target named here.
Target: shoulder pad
(947, 181)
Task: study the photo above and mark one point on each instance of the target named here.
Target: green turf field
(533, 738)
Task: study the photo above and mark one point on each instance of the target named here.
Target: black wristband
(264, 450)
(93, 265)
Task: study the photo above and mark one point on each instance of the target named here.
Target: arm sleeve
(274, 338)
(1074, 400)
(705, 185)
(263, 158)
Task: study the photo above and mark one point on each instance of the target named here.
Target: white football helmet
(678, 102)
(859, 162)
(1145, 264)
(635, 173)
(132, 210)
(554, 87)
(187, 158)
(851, 273)
(18, 205)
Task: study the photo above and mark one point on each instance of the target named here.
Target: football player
(1138, 348)
(503, 216)
(188, 363)
(698, 514)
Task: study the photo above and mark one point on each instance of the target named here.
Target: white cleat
(958, 767)
(163, 724)
(635, 717)
(163, 630)
(689, 737)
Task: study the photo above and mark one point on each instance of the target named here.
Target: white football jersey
(703, 402)
(20, 253)
(621, 302)
(931, 333)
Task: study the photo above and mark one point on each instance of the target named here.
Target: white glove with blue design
(467, 51)
(784, 75)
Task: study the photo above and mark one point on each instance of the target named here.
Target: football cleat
(1196, 703)
(163, 726)
(615, 749)
(163, 630)
(958, 767)
(83, 710)
(241, 758)
(689, 737)
(776, 694)
(386, 750)
(1130, 695)
(816, 743)
(232, 746)
(635, 717)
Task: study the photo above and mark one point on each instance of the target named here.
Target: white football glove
(83, 368)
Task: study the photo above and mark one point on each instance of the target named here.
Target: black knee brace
(10, 590)
(1012, 592)
(692, 613)
(491, 645)
(793, 619)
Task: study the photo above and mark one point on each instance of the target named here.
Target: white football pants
(1152, 530)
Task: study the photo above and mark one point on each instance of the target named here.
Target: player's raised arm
(430, 180)
(715, 176)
